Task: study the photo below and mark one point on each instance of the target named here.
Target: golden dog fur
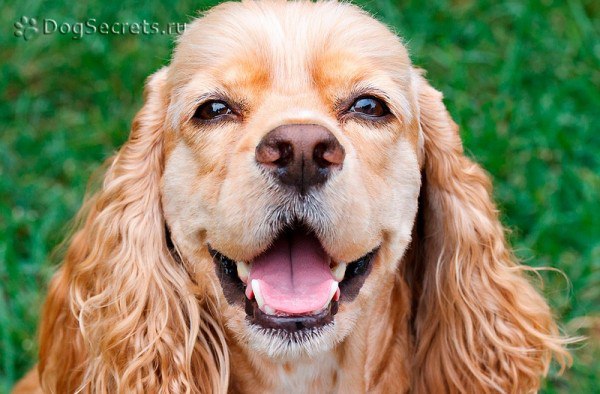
(445, 309)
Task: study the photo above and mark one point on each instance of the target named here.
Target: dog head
(267, 197)
(292, 156)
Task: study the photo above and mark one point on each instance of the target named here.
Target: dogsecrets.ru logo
(28, 27)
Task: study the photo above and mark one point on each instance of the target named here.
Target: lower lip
(292, 323)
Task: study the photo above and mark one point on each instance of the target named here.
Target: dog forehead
(289, 43)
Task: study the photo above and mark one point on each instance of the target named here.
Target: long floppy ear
(122, 314)
(479, 325)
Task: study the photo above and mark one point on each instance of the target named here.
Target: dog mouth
(294, 285)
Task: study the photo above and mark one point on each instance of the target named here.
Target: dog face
(292, 166)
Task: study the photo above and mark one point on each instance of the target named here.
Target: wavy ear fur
(122, 315)
(479, 325)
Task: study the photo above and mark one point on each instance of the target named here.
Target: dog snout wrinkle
(300, 155)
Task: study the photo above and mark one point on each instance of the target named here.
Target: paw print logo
(26, 28)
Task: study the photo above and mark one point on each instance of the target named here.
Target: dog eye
(369, 106)
(212, 110)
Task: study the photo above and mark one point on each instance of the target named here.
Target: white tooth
(334, 288)
(249, 292)
(268, 310)
(257, 294)
(332, 291)
(319, 310)
(339, 271)
(243, 270)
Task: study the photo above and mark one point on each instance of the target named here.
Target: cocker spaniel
(292, 212)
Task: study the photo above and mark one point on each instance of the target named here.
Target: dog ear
(479, 325)
(122, 314)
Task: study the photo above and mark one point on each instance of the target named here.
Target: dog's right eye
(212, 110)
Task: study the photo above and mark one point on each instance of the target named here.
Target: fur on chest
(319, 374)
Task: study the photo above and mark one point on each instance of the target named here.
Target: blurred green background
(522, 79)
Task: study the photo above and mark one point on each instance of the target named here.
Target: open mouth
(294, 285)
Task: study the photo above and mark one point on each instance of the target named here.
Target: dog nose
(300, 155)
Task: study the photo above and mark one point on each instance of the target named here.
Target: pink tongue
(294, 274)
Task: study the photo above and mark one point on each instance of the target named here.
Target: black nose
(300, 155)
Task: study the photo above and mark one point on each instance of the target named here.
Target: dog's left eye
(369, 106)
(212, 110)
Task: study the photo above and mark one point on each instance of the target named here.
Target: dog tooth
(320, 310)
(243, 270)
(268, 310)
(339, 271)
(249, 292)
(332, 292)
(257, 293)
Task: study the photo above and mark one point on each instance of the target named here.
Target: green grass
(522, 79)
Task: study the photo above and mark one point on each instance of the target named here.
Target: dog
(293, 212)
